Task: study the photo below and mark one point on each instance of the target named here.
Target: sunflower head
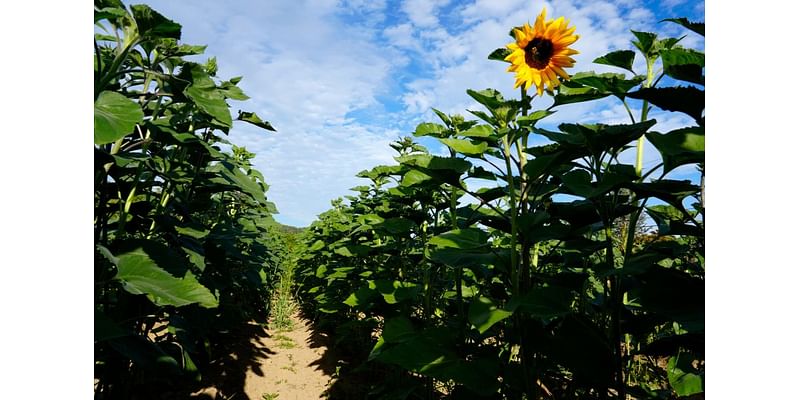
(541, 52)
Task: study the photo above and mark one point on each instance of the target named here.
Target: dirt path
(295, 371)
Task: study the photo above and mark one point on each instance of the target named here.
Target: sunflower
(541, 52)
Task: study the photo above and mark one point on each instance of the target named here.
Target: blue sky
(341, 79)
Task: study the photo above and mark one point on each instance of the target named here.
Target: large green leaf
(697, 27)
(483, 313)
(397, 225)
(671, 221)
(671, 191)
(414, 178)
(431, 352)
(680, 147)
(464, 239)
(619, 58)
(204, 92)
(115, 116)
(430, 129)
(686, 99)
(684, 64)
(596, 138)
(466, 147)
(140, 274)
(252, 118)
(499, 54)
(570, 93)
(433, 168)
(360, 297)
(394, 292)
(233, 175)
(645, 42)
(479, 131)
(152, 24)
(490, 98)
(533, 118)
(435, 162)
(610, 83)
(685, 379)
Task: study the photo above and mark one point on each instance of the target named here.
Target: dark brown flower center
(538, 53)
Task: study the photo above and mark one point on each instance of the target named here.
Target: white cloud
(402, 36)
(423, 13)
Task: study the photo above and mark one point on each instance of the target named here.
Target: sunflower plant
(529, 287)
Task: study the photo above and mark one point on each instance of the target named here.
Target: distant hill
(288, 228)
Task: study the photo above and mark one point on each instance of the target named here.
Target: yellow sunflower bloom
(541, 52)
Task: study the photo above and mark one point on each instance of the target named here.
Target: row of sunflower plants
(185, 243)
(516, 267)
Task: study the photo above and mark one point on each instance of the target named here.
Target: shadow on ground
(238, 351)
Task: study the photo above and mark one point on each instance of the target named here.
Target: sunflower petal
(539, 25)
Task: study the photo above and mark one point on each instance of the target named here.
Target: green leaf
(684, 64)
(115, 116)
(394, 292)
(415, 177)
(530, 120)
(140, 274)
(686, 99)
(697, 27)
(597, 138)
(465, 239)
(671, 191)
(318, 245)
(429, 162)
(645, 42)
(255, 120)
(679, 147)
(232, 91)
(466, 147)
(204, 92)
(109, 13)
(397, 226)
(611, 83)
(575, 93)
(480, 131)
(431, 353)
(152, 24)
(343, 251)
(483, 313)
(360, 297)
(397, 330)
(490, 98)
(430, 129)
(196, 231)
(620, 58)
(230, 174)
(683, 377)
(442, 116)
(499, 54)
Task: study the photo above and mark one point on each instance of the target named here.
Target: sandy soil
(294, 371)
